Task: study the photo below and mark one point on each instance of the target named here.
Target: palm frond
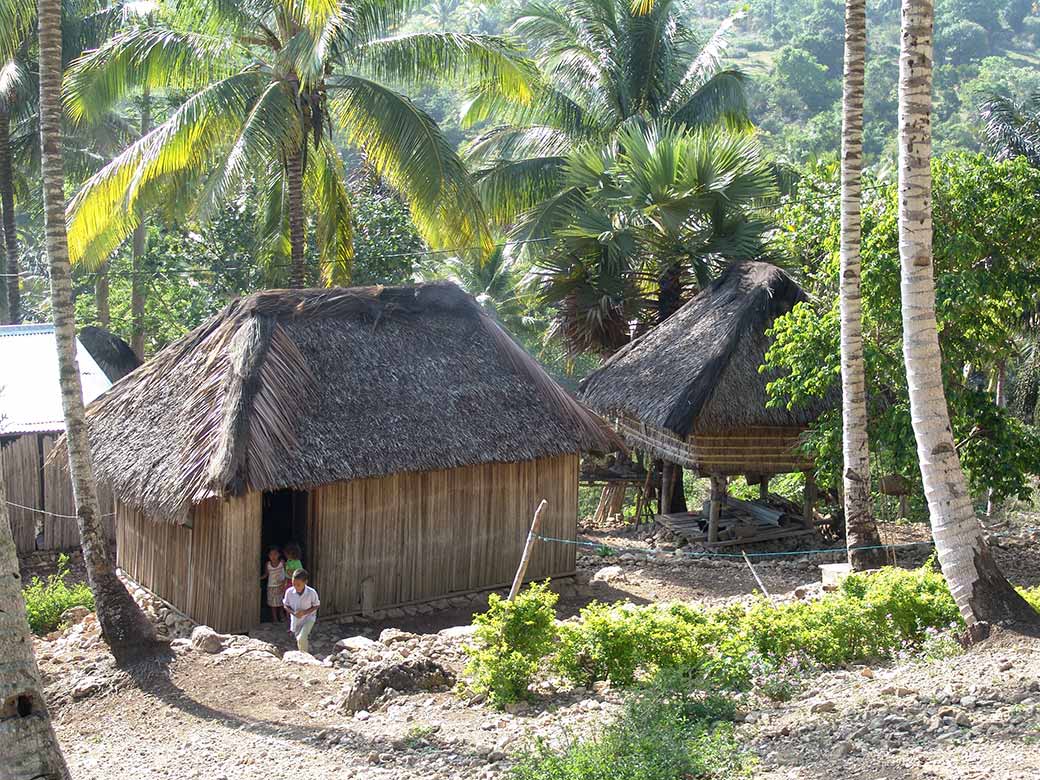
(407, 148)
(17, 19)
(514, 186)
(1012, 129)
(509, 143)
(422, 58)
(153, 58)
(720, 98)
(106, 208)
(327, 189)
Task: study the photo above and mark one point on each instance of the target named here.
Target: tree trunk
(104, 311)
(122, 622)
(982, 593)
(140, 245)
(294, 173)
(860, 530)
(14, 299)
(1000, 396)
(30, 748)
(669, 292)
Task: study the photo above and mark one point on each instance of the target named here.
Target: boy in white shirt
(301, 603)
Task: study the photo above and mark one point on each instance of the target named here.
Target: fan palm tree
(268, 81)
(982, 593)
(601, 65)
(639, 215)
(123, 625)
(860, 531)
(30, 747)
(1012, 128)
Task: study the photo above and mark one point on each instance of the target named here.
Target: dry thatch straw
(698, 371)
(297, 388)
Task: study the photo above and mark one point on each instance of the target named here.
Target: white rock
(206, 640)
(457, 632)
(607, 573)
(298, 657)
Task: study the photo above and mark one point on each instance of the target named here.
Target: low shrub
(46, 600)
(511, 639)
(665, 732)
(1032, 595)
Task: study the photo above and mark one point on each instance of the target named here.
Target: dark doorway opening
(284, 521)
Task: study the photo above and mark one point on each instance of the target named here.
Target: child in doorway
(274, 574)
(301, 603)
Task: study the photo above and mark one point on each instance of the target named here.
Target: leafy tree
(963, 42)
(266, 83)
(807, 77)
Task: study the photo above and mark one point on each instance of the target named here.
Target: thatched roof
(297, 388)
(698, 370)
(112, 354)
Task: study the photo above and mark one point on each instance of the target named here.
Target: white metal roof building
(30, 397)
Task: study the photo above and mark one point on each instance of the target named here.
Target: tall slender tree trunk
(140, 245)
(122, 623)
(982, 593)
(294, 171)
(27, 739)
(669, 301)
(1000, 397)
(14, 298)
(860, 529)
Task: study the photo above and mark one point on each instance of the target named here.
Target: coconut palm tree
(268, 84)
(982, 593)
(658, 209)
(123, 625)
(1012, 129)
(30, 747)
(860, 530)
(601, 65)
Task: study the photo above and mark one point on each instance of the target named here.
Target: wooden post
(763, 488)
(718, 493)
(518, 580)
(810, 498)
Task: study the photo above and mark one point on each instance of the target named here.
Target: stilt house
(690, 391)
(399, 435)
(41, 507)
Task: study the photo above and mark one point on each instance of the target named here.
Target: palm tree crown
(1012, 129)
(267, 83)
(601, 65)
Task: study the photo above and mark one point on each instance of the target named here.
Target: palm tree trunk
(29, 746)
(140, 244)
(294, 171)
(122, 623)
(14, 300)
(1000, 397)
(860, 530)
(101, 290)
(982, 593)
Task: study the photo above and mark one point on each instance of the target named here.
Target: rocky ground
(377, 699)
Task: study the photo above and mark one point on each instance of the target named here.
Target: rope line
(709, 554)
(51, 514)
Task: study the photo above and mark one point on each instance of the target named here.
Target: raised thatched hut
(398, 434)
(42, 510)
(690, 391)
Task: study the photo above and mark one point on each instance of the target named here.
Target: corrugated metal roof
(30, 398)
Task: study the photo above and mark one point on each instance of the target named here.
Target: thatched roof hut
(393, 427)
(690, 390)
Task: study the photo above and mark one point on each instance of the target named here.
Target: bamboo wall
(416, 537)
(49, 490)
(754, 451)
(210, 571)
(421, 536)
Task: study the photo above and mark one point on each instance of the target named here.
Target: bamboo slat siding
(210, 571)
(21, 474)
(49, 490)
(413, 537)
(420, 536)
(760, 450)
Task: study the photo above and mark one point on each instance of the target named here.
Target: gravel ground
(238, 716)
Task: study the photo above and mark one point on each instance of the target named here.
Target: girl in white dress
(274, 573)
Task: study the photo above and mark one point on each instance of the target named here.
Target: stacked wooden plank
(740, 522)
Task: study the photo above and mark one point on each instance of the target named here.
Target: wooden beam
(718, 494)
(810, 497)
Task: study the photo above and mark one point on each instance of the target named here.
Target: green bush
(1032, 595)
(663, 733)
(46, 600)
(511, 639)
